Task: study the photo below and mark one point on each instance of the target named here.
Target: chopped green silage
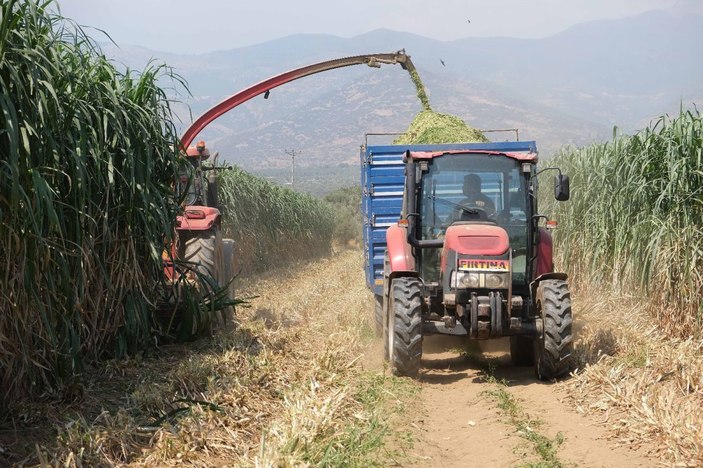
(431, 127)
(421, 94)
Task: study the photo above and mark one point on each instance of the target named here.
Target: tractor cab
(479, 205)
(199, 189)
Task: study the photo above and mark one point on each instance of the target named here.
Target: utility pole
(292, 153)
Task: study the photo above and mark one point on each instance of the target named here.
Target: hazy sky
(189, 26)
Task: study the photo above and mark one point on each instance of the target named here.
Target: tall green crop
(272, 225)
(346, 204)
(635, 219)
(87, 161)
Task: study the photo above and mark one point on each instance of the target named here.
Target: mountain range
(567, 89)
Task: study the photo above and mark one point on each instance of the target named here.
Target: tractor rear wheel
(378, 314)
(522, 351)
(405, 326)
(553, 352)
(204, 250)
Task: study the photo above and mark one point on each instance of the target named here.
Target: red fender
(198, 218)
(399, 250)
(545, 261)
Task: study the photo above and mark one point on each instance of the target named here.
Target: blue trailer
(382, 181)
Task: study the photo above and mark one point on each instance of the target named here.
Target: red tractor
(199, 245)
(468, 257)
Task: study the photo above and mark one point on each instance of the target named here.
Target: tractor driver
(474, 200)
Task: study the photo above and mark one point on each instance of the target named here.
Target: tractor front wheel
(405, 326)
(553, 352)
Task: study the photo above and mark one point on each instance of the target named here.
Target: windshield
(474, 187)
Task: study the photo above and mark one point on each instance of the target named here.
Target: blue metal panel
(382, 181)
(382, 176)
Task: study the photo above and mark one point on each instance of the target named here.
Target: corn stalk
(272, 225)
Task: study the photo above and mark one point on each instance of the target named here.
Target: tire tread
(556, 355)
(407, 326)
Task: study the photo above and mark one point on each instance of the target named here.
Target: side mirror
(561, 187)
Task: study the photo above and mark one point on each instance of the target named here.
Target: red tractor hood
(477, 239)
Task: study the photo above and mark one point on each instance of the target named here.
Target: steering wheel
(191, 198)
(194, 195)
(469, 213)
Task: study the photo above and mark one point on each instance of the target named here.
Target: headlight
(497, 280)
(466, 280)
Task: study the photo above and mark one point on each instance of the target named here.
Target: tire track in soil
(459, 425)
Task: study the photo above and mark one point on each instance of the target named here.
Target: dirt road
(463, 425)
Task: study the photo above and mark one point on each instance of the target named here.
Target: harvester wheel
(378, 314)
(522, 351)
(405, 326)
(204, 250)
(553, 352)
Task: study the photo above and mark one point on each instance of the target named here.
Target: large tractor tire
(378, 314)
(405, 326)
(204, 250)
(522, 350)
(554, 351)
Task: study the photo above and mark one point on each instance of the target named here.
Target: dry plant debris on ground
(647, 387)
(293, 386)
(289, 386)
